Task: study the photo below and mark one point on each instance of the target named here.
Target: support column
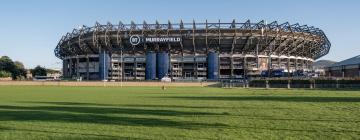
(245, 67)
(257, 56)
(104, 64)
(87, 68)
(213, 66)
(150, 70)
(122, 66)
(77, 67)
(162, 64)
(135, 69)
(232, 67)
(65, 68)
(302, 64)
(288, 66)
(71, 68)
(196, 68)
(279, 62)
(269, 66)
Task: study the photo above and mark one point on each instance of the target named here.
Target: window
(200, 65)
(139, 65)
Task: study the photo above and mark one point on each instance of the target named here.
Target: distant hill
(323, 63)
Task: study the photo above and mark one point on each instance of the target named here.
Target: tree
(4, 74)
(16, 69)
(38, 71)
(6, 64)
(20, 71)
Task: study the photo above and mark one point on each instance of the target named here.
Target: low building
(29, 74)
(54, 73)
(347, 68)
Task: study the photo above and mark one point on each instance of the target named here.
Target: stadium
(189, 51)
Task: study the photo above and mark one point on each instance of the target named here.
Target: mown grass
(35, 112)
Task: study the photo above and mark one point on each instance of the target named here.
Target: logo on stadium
(135, 40)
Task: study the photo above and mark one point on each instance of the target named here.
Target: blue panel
(150, 69)
(104, 65)
(213, 65)
(162, 64)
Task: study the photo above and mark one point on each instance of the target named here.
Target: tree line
(10, 68)
(16, 69)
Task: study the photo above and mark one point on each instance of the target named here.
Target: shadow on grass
(69, 135)
(68, 103)
(131, 105)
(271, 98)
(109, 110)
(298, 119)
(100, 115)
(299, 130)
(173, 106)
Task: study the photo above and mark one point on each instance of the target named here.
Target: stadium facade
(207, 50)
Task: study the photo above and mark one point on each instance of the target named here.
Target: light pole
(122, 67)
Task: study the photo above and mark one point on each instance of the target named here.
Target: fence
(305, 83)
(255, 83)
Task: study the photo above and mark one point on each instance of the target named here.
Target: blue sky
(30, 29)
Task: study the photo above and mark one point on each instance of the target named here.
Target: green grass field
(34, 112)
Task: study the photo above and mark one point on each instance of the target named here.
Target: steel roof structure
(261, 38)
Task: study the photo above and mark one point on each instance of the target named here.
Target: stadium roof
(351, 61)
(288, 39)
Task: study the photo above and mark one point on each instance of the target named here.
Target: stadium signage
(162, 39)
(135, 39)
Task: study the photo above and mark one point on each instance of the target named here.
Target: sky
(31, 29)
